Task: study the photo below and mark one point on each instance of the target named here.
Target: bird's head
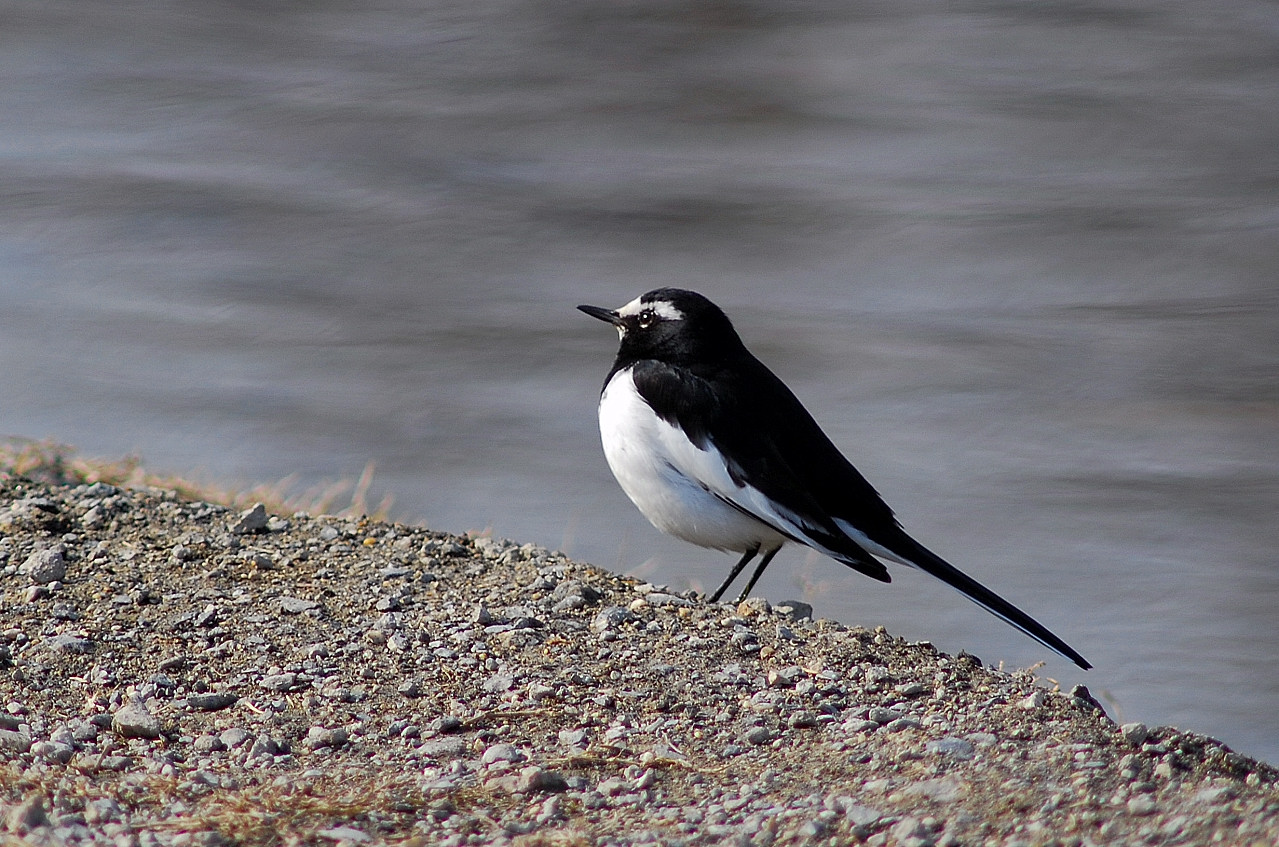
(670, 324)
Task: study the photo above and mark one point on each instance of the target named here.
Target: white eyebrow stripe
(666, 311)
(662, 308)
(632, 308)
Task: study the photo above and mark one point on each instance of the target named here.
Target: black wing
(712, 419)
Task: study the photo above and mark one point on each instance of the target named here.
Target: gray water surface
(1020, 260)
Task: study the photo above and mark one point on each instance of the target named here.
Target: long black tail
(929, 562)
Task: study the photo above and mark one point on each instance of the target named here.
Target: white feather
(869, 546)
(662, 308)
(672, 482)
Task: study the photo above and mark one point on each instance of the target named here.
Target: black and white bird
(714, 449)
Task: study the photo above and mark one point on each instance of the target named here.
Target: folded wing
(773, 462)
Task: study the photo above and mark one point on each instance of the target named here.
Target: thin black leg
(759, 570)
(741, 563)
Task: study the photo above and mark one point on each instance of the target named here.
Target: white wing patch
(870, 546)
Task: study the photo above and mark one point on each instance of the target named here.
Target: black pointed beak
(603, 314)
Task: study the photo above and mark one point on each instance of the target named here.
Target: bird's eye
(647, 318)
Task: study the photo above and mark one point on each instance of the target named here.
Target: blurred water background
(1020, 259)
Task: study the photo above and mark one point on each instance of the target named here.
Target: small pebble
(551, 810)
(1141, 805)
(1082, 698)
(666, 600)
(502, 753)
(1135, 733)
(860, 725)
(45, 566)
(499, 683)
(575, 590)
(534, 778)
(234, 737)
(344, 835)
(911, 832)
(413, 687)
(209, 744)
(12, 741)
(251, 520)
(882, 715)
(103, 811)
(646, 780)
(574, 738)
(447, 724)
(612, 786)
(282, 682)
(53, 751)
(211, 702)
(955, 748)
(297, 605)
(263, 745)
(71, 644)
(802, 720)
(786, 677)
(134, 720)
(796, 610)
(611, 618)
(318, 736)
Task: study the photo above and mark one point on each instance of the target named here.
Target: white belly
(668, 478)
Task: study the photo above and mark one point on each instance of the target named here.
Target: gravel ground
(176, 673)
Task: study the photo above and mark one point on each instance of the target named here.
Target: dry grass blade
(297, 812)
(55, 463)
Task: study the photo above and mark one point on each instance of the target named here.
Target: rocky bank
(176, 673)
